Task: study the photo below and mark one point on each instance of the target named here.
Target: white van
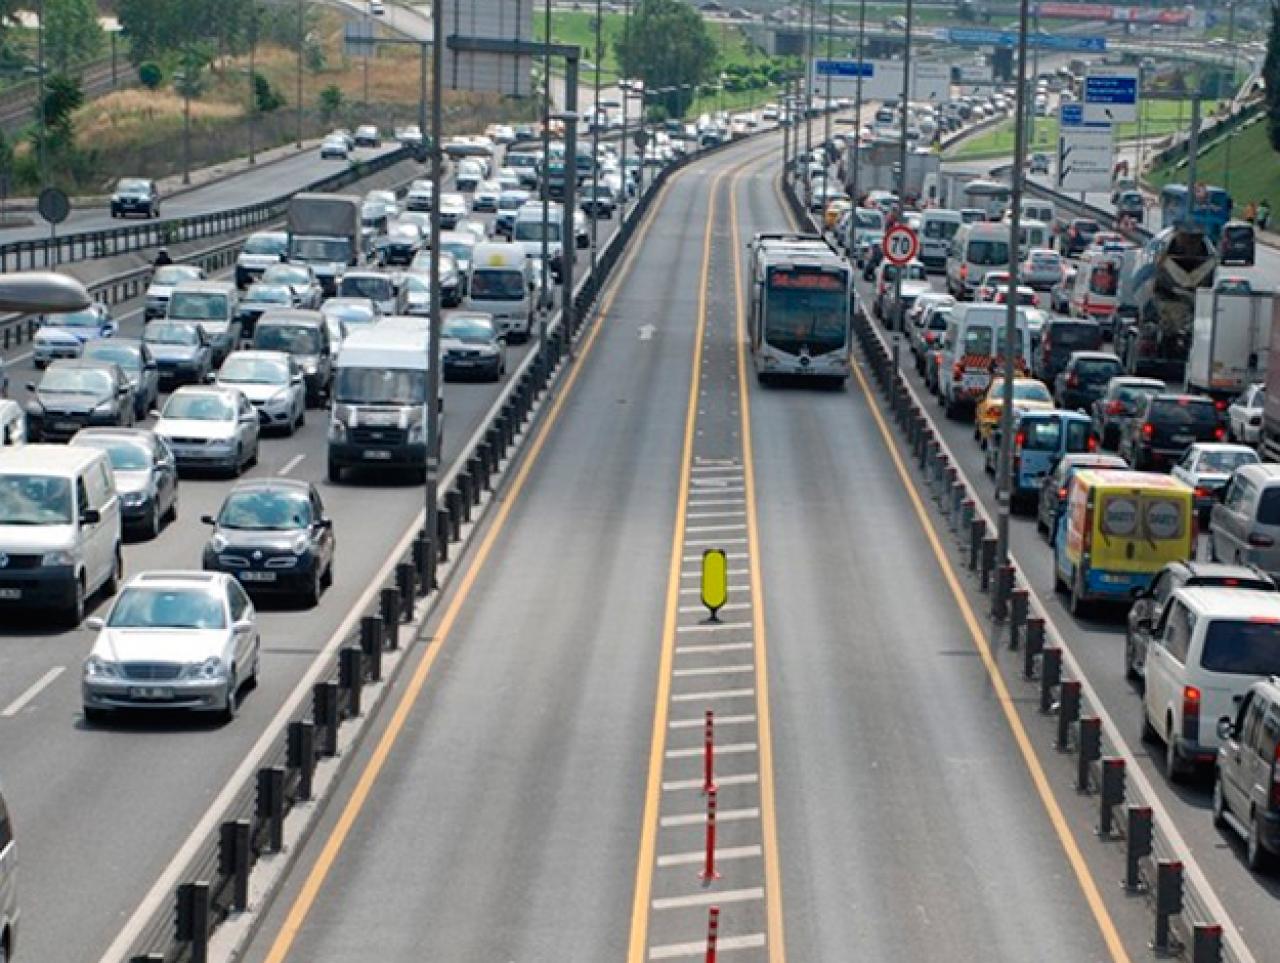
(974, 339)
(60, 528)
(975, 249)
(1210, 645)
(502, 285)
(1096, 292)
(937, 227)
(215, 306)
(1033, 234)
(527, 232)
(379, 414)
(1035, 209)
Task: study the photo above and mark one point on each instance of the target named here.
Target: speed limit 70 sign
(901, 245)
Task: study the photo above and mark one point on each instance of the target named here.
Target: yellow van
(1118, 529)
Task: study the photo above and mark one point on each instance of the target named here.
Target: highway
(1097, 642)
(98, 827)
(248, 187)
(537, 784)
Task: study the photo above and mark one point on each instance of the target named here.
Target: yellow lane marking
(319, 873)
(1088, 886)
(768, 811)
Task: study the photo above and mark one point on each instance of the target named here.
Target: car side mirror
(297, 379)
(122, 391)
(31, 386)
(1226, 728)
(325, 523)
(243, 625)
(210, 377)
(90, 516)
(96, 623)
(149, 366)
(208, 520)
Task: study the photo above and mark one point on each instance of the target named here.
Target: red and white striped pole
(709, 870)
(708, 754)
(713, 931)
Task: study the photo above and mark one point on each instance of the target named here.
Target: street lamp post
(826, 107)
(184, 77)
(545, 189)
(898, 316)
(854, 191)
(1004, 481)
(253, 90)
(595, 148)
(624, 87)
(302, 43)
(40, 98)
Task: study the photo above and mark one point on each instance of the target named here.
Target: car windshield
(1242, 647)
(531, 230)
(285, 274)
(364, 286)
(266, 244)
(1076, 336)
(269, 294)
(77, 381)
(87, 318)
(167, 608)
(291, 339)
(512, 202)
(988, 252)
(379, 386)
(131, 186)
(130, 359)
(1225, 462)
(34, 500)
(1030, 391)
(265, 510)
(170, 274)
(1132, 394)
(320, 249)
(124, 455)
(940, 230)
(200, 407)
(495, 285)
(191, 306)
(254, 371)
(1098, 369)
(978, 340)
(1045, 261)
(471, 330)
(162, 333)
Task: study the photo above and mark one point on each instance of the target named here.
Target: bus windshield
(806, 311)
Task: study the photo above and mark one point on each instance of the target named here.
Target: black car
(399, 245)
(183, 352)
(138, 364)
(273, 535)
(1053, 486)
(1131, 203)
(146, 475)
(1085, 378)
(1236, 246)
(1149, 604)
(74, 394)
(1112, 412)
(1077, 236)
(1166, 425)
(261, 297)
(135, 195)
(1059, 339)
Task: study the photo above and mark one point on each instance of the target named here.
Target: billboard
(510, 74)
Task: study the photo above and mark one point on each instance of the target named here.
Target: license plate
(976, 380)
(377, 455)
(257, 576)
(150, 692)
(1184, 439)
(10, 593)
(65, 426)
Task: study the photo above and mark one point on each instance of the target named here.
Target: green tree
(1271, 78)
(668, 46)
(331, 101)
(71, 34)
(267, 99)
(153, 27)
(150, 74)
(62, 97)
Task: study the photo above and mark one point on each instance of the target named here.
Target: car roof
(1093, 459)
(290, 316)
(271, 484)
(177, 578)
(1094, 356)
(89, 364)
(1260, 471)
(1224, 570)
(46, 459)
(1180, 397)
(218, 390)
(1224, 446)
(1222, 602)
(260, 354)
(141, 436)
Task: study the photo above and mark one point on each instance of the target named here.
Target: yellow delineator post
(715, 581)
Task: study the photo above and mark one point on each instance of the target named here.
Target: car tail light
(964, 272)
(1258, 540)
(1202, 492)
(1073, 380)
(1191, 712)
(1019, 440)
(1219, 433)
(1093, 442)
(1035, 300)
(1220, 404)
(1148, 429)
(1062, 492)
(1115, 407)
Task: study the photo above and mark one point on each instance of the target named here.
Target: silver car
(163, 281)
(210, 427)
(145, 472)
(173, 640)
(302, 281)
(1244, 527)
(273, 383)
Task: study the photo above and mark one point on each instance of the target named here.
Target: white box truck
(1231, 338)
(325, 231)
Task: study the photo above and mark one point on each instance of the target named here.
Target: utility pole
(826, 113)
(854, 187)
(431, 493)
(40, 98)
(1004, 472)
(253, 89)
(545, 190)
(808, 102)
(902, 158)
(1193, 148)
(1231, 45)
(624, 88)
(595, 148)
(302, 43)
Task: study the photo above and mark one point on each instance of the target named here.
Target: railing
(214, 885)
(90, 245)
(1188, 920)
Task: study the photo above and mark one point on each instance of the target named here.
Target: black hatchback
(273, 535)
(1165, 426)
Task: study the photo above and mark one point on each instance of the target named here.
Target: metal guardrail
(215, 884)
(1188, 920)
(37, 253)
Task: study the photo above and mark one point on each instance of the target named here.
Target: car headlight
(35, 409)
(310, 367)
(337, 431)
(104, 409)
(134, 498)
(57, 558)
(417, 433)
(96, 667)
(300, 544)
(218, 542)
(279, 399)
(211, 668)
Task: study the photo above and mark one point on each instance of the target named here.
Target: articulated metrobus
(801, 292)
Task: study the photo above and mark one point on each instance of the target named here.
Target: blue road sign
(1111, 90)
(1072, 115)
(844, 68)
(977, 36)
